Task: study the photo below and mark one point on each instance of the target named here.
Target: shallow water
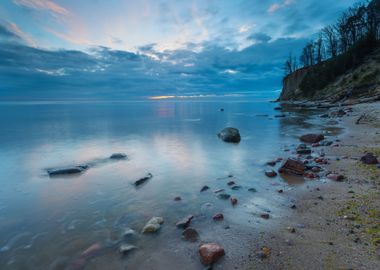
(46, 223)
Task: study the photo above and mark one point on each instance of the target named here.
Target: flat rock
(302, 149)
(230, 135)
(190, 234)
(312, 138)
(118, 156)
(293, 167)
(67, 170)
(204, 188)
(124, 249)
(210, 253)
(153, 225)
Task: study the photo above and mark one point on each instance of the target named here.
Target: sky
(116, 49)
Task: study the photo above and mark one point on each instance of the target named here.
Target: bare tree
(331, 38)
(290, 65)
(318, 50)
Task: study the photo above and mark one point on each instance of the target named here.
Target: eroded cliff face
(291, 85)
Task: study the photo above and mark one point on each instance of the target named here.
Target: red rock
(218, 217)
(293, 167)
(312, 138)
(234, 201)
(335, 177)
(315, 169)
(271, 174)
(310, 175)
(315, 145)
(210, 253)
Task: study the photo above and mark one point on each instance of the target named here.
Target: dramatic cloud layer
(124, 49)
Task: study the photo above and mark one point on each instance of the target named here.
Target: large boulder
(369, 159)
(312, 138)
(67, 170)
(210, 253)
(293, 167)
(230, 135)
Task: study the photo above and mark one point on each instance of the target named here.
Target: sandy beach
(332, 225)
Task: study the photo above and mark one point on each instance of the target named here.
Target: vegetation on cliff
(340, 48)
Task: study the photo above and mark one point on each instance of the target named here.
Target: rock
(185, 222)
(291, 229)
(280, 116)
(326, 143)
(272, 163)
(302, 149)
(310, 175)
(128, 233)
(324, 115)
(218, 217)
(218, 190)
(93, 251)
(369, 159)
(124, 249)
(234, 201)
(264, 253)
(265, 216)
(237, 187)
(221, 109)
(210, 253)
(270, 173)
(231, 183)
(312, 138)
(143, 180)
(230, 135)
(224, 196)
(204, 188)
(335, 177)
(293, 206)
(153, 225)
(278, 109)
(67, 170)
(190, 234)
(118, 156)
(292, 167)
(252, 190)
(177, 199)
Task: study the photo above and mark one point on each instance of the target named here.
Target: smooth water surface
(46, 223)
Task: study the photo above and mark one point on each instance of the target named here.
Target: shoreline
(335, 225)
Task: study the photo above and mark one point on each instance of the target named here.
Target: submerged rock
(230, 135)
(204, 188)
(218, 217)
(67, 170)
(302, 149)
(92, 251)
(312, 138)
(271, 173)
(190, 234)
(185, 222)
(369, 159)
(153, 225)
(118, 156)
(143, 180)
(224, 196)
(252, 190)
(210, 253)
(335, 177)
(292, 167)
(124, 249)
(234, 201)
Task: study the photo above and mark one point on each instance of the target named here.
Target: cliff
(360, 81)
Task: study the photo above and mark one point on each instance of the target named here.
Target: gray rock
(224, 196)
(204, 188)
(67, 170)
(118, 156)
(230, 135)
(190, 234)
(143, 180)
(124, 249)
(185, 222)
(153, 225)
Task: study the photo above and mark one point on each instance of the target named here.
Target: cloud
(277, 6)
(12, 33)
(259, 37)
(42, 5)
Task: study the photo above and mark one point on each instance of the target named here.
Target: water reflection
(58, 218)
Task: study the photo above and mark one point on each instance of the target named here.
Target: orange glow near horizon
(161, 97)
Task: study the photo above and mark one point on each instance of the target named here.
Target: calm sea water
(46, 223)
